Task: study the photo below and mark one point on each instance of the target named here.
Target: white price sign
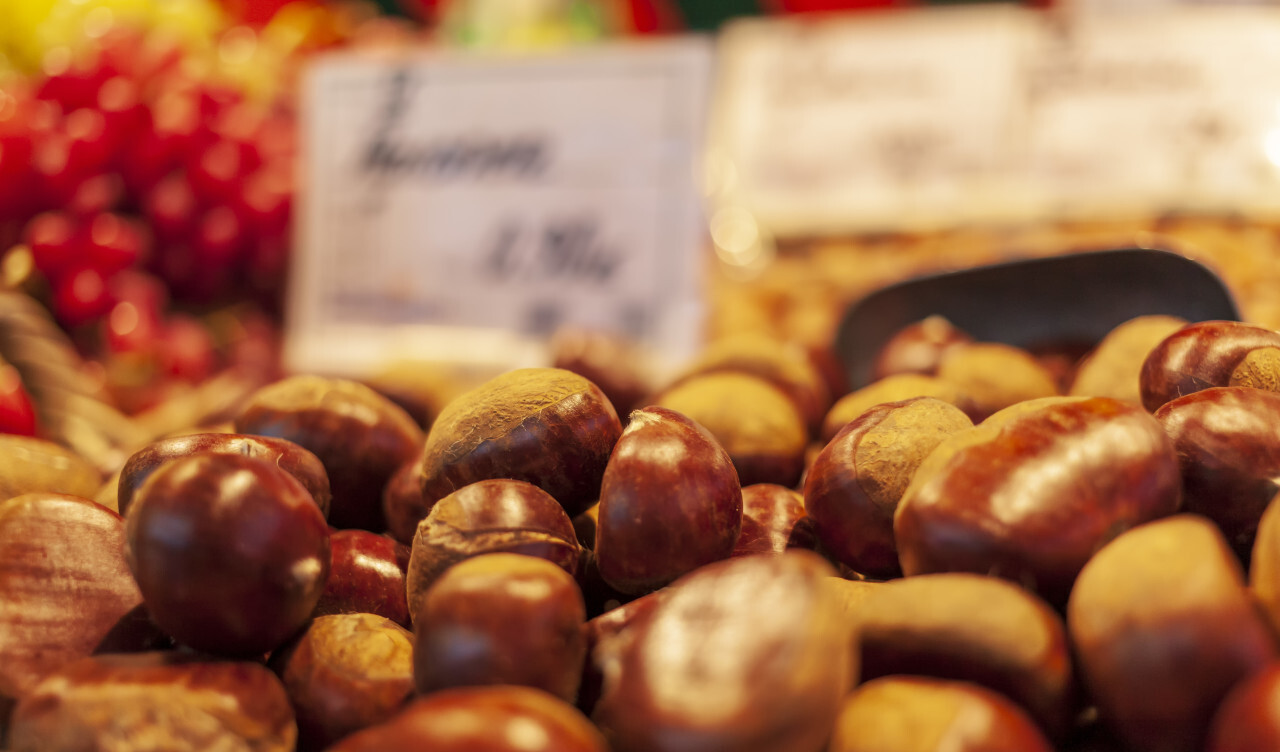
(1177, 109)
(461, 208)
(870, 121)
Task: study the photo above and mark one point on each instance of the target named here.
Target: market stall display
(998, 515)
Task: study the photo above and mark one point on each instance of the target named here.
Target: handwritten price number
(565, 250)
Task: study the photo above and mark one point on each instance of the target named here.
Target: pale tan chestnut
(925, 714)
(1163, 628)
(972, 628)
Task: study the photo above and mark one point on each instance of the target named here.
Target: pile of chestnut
(984, 549)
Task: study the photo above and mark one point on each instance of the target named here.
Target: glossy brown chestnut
(852, 490)
(891, 389)
(366, 575)
(1199, 356)
(290, 457)
(546, 426)
(755, 422)
(994, 376)
(972, 628)
(773, 520)
(360, 436)
(501, 619)
(344, 673)
(1248, 719)
(34, 465)
(230, 552)
(669, 503)
(787, 365)
(489, 516)
(1163, 627)
(746, 654)
(608, 626)
(922, 714)
(1033, 491)
(64, 585)
(1113, 367)
(1229, 452)
(492, 719)
(918, 348)
(402, 503)
(173, 701)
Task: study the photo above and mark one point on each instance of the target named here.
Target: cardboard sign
(462, 208)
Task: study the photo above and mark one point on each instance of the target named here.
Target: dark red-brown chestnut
(230, 552)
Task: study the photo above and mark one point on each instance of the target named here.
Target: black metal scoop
(1076, 297)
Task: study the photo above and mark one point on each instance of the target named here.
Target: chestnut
(403, 506)
(1198, 356)
(1248, 720)
(360, 436)
(853, 487)
(1033, 491)
(179, 702)
(787, 365)
(670, 502)
(1264, 565)
(345, 672)
(1112, 368)
(489, 516)
(64, 585)
(494, 719)
(1229, 453)
(918, 348)
(298, 462)
(971, 628)
(891, 389)
(501, 619)
(994, 376)
(34, 465)
(608, 626)
(545, 426)
(230, 552)
(924, 714)
(1163, 628)
(366, 575)
(755, 422)
(773, 520)
(849, 595)
(747, 654)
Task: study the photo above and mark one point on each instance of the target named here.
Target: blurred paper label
(1169, 110)
(941, 117)
(875, 120)
(463, 207)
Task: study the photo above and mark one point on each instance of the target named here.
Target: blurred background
(150, 156)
